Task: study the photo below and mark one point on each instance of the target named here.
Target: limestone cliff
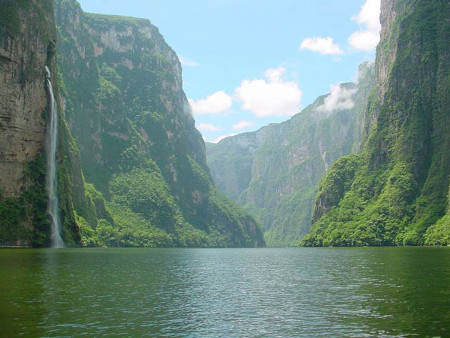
(397, 188)
(27, 45)
(139, 147)
(24, 51)
(274, 172)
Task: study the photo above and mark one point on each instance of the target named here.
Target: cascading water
(51, 183)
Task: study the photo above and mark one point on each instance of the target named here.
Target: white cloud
(242, 125)
(364, 40)
(207, 127)
(220, 138)
(368, 37)
(213, 104)
(370, 15)
(271, 97)
(187, 62)
(275, 74)
(340, 98)
(321, 45)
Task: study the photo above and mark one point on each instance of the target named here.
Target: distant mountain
(274, 172)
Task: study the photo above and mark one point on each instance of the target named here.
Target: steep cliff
(274, 172)
(397, 188)
(139, 147)
(27, 45)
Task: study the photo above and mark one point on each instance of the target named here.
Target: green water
(225, 292)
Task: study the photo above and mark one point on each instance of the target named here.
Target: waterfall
(51, 183)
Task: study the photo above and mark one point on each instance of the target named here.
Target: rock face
(23, 96)
(27, 45)
(396, 190)
(274, 172)
(139, 147)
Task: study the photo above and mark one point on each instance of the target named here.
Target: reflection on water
(226, 292)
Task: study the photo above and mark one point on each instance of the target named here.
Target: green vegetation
(292, 218)
(145, 192)
(29, 208)
(439, 233)
(336, 182)
(13, 216)
(128, 230)
(13, 13)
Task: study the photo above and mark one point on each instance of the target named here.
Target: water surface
(225, 292)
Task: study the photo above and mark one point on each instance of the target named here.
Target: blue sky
(248, 63)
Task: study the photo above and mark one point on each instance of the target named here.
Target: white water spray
(51, 183)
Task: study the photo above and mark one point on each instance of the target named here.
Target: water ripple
(226, 292)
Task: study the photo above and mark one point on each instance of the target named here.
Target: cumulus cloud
(321, 45)
(370, 14)
(271, 96)
(242, 125)
(368, 37)
(216, 103)
(340, 98)
(187, 62)
(207, 127)
(220, 138)
(364, 40)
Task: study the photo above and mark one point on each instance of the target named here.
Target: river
(287, 292)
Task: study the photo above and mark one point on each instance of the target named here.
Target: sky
(248, 63)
